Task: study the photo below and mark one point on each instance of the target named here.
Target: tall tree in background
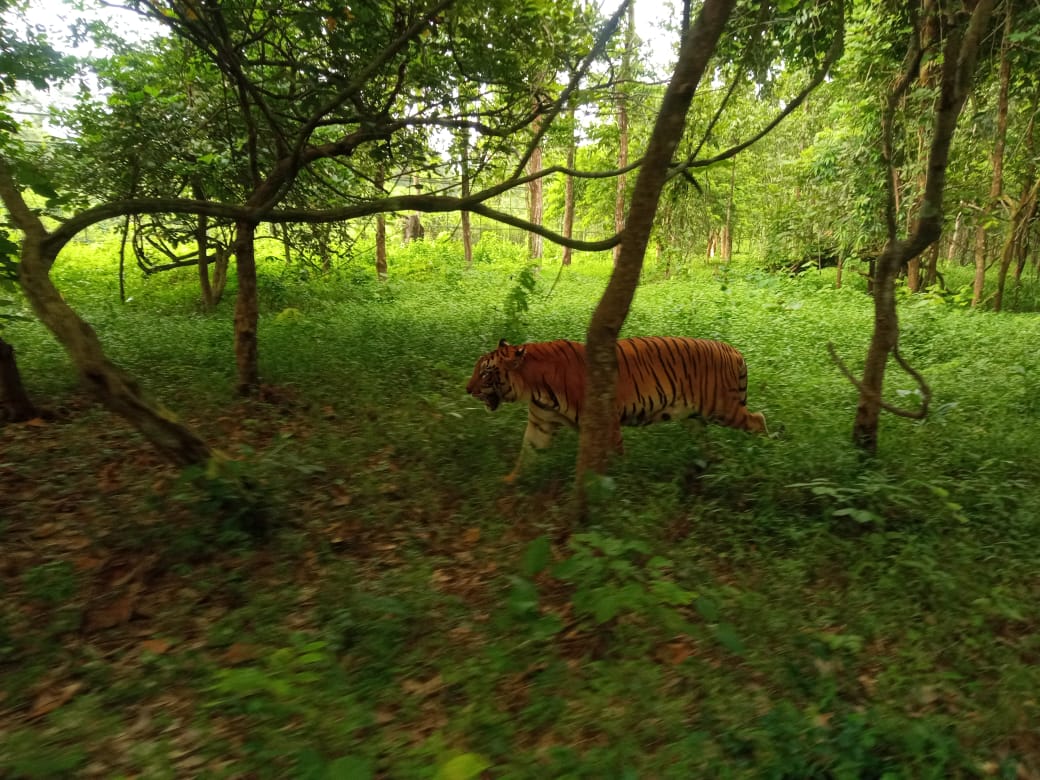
(621, 95)
(698, 45)
(535, 197)
(568, 192)
(996, 187)
(303, 126)
(599, 419)
(963, 33)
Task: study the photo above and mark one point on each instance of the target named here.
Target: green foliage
(53, 583)
(739, 606)
(613, 577)
(517, 303)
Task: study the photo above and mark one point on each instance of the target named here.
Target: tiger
(659, 378)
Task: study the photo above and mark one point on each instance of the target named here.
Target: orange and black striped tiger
(659, 378)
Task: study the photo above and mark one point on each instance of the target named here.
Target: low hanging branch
(926, 391)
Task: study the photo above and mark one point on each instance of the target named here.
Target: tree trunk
(112, 386)
(1017, 231)
(727, 228)
(202, 240)
(246, 309)
(15, 404)
(535, 200)
(568, 191)
(598, 425)
(913, 274)
(996, 186)
(621, 96)
(209, 301)
(931, 271)
(958, 63)
(413, 228)
(221, 260)
(122, 259)
(381, 266)
(953, 249)
(883, 341)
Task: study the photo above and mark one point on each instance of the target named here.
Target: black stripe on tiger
(659, 378)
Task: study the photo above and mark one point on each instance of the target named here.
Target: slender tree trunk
(15, 404)
(246, 309)
(202, 240)
(958, 63)
(286, 244)
(116, 389)
(1022, 245)
(381, 267)
(931, 271)
(568, 190)
(621, 96)
(996, 186)
(535, 200)
(221, 260)
(1017, 230)
(727, 228)
(467, 229)
(599, 421)
(953, 249)
(122, 259)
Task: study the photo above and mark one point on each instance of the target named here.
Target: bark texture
(15, 404)
(698, 45)
(959, 54)
(996, 187)
(113, 386)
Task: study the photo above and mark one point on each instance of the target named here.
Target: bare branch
(601, 41)
(833, 54)
(926, 391)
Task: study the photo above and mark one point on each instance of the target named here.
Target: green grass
(736, 607)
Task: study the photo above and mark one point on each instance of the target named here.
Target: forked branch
(922, 386)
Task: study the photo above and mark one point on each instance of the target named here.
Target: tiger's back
(659, 378)
(664, 378)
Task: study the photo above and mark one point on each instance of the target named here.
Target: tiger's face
(490, 380)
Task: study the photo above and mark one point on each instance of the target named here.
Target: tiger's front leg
(538, 436)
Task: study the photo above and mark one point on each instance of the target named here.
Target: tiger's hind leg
(538, 436)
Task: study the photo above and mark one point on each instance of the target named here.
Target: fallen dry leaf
(155, 646)
(49, 700)
(471, 536)
(239, 653)
(113, 613)
(674, 653)
(423, 687)
(37, 422)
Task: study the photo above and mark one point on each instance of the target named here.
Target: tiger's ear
(518, 357)
(502, 343)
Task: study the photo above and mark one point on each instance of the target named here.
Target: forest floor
(354, 593)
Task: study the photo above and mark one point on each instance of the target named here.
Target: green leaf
(464, 767)
(708, 608)
(606, 606)
(349, 768)
(523, 597)
(536, 556)
(727, 637)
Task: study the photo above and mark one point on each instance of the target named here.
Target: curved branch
(425, 203)
(833, 53)
(609, 28)
(926, 391)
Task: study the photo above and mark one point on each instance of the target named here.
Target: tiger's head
(492, 382)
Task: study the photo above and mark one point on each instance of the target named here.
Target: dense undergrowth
(358, 595)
